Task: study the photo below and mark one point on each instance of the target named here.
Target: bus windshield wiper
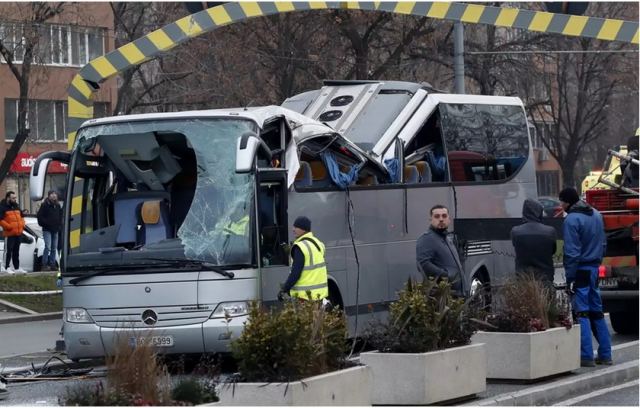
(196, 262)
(171, 261)
(100, 271)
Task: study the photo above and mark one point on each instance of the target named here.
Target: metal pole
(458, 57)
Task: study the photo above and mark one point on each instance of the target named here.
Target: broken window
(175, 181)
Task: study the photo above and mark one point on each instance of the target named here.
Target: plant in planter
(423, 354)
(295, 356)
(136, 377)
(532, 326)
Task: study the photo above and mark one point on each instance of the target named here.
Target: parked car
(31, 248)
(551, 206)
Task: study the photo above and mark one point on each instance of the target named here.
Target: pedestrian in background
(436, 253)
(308, 277)
(50, 219)
(535, 244)
(12, 225)
(584, 247)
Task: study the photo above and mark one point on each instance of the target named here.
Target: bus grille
(164, 316)
(474, 248)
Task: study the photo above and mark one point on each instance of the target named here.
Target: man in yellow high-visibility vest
(308, 276)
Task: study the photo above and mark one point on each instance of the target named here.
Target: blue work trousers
(587, 305)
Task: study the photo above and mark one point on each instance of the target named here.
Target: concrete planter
(351, 386)
(426, 378)
(529, 356)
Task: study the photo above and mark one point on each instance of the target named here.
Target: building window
(59, 45)
(46, 119)
(548, 183)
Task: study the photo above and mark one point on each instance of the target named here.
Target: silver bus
(179, 220)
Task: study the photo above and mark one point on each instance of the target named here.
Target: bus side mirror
(39, 172)
(246, 148)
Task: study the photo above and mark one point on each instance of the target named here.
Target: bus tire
(625, 322)
(480, 285)
(334, 296)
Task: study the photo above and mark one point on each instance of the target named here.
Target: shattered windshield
(187, 165)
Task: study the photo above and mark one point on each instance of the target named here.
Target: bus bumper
(218, 333)
(213, 336)
(82, 340)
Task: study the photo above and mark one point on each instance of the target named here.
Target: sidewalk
(549, 391)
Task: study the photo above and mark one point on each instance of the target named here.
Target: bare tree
(147, 86)
(26, 48)
(578, 90)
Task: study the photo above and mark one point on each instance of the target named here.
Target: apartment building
(66, 42)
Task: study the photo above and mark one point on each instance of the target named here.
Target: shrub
(135, 377)
(134, 369)
(524, 304)
(298, 341)
(195, 391)
(94, 395)
(426, 317)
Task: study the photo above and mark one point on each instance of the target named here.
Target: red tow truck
(619, 270)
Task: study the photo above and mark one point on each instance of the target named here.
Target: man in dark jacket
(50, 219)
(436, 253)
(535, 243)
(584, 247)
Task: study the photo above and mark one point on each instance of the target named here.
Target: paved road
(619, 395)
(28, 337)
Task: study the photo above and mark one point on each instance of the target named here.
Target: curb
(557, 391)
(17, 307)
(32, 318)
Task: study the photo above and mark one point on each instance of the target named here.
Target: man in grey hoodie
(535, 243)
(436, 253)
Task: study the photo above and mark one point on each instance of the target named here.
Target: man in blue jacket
(584, 247)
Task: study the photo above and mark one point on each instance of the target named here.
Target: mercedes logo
(149, 317)
(147, 289)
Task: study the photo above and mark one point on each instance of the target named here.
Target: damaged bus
(178, 220)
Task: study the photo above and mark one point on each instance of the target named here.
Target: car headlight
(77, 315)
(230, 309)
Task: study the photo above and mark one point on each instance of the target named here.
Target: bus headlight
(77, 315)
(230, 309)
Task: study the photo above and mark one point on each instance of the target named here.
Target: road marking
(577, 400)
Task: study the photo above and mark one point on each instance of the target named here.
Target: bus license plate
(156, 341)
(608, 283)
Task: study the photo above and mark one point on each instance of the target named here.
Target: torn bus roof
(302, 128)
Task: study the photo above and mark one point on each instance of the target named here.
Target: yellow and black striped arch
(91, 75)
(86, 83)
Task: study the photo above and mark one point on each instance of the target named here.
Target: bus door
(272, 231)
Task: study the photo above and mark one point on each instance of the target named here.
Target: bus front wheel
(481, 290)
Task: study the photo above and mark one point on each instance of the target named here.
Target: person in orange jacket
(12, 225)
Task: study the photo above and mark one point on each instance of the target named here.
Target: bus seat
(153, 222)
(125, 212)
(303, 177)
(460, 163)
(424, 171)
(410, 174)
(319, 174)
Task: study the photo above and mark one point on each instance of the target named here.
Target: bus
(178, 221)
